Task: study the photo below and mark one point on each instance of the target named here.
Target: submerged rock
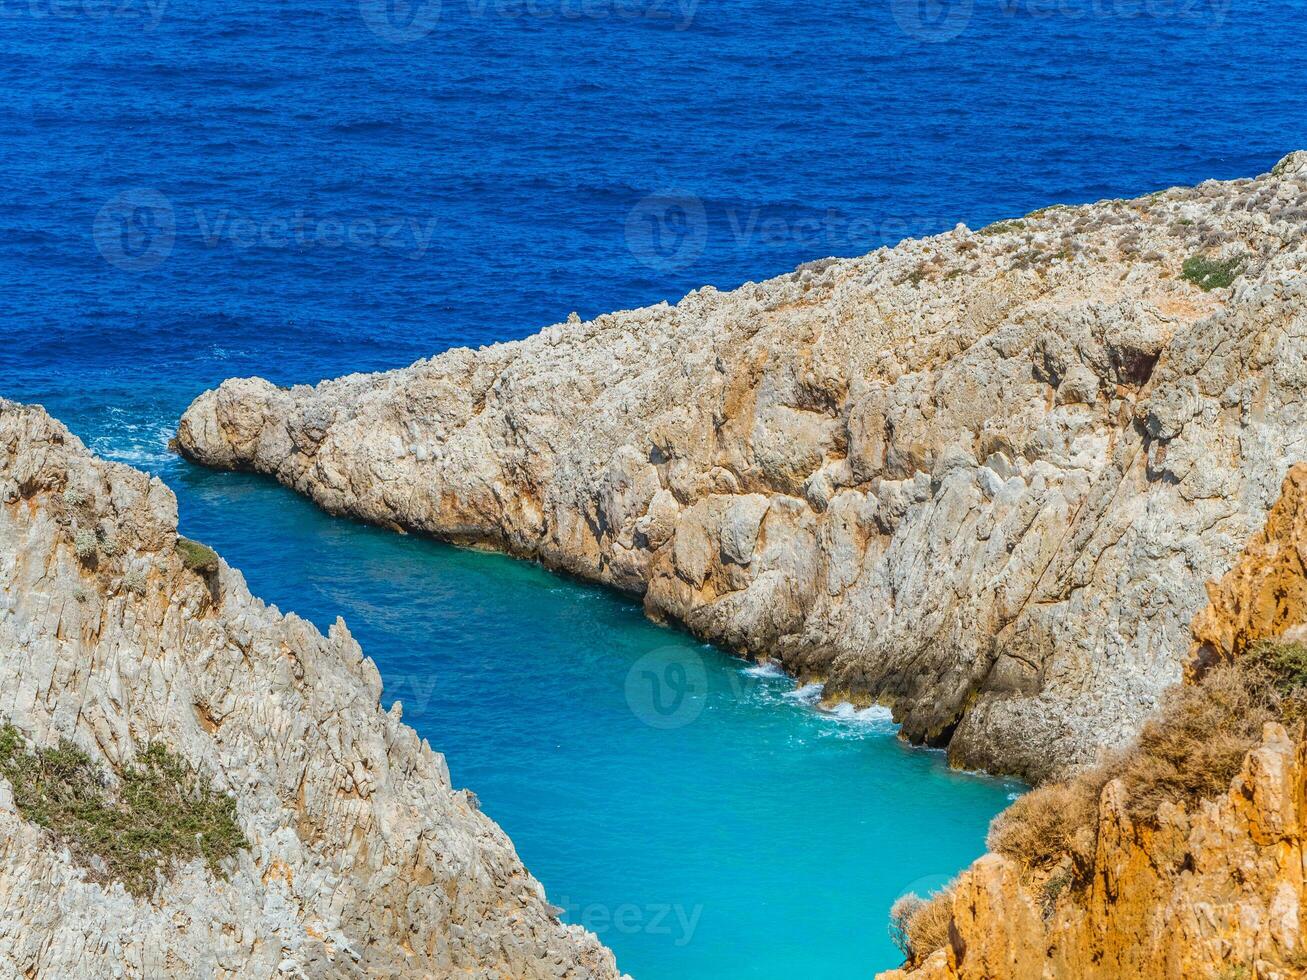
(361, 858)
(980, 477)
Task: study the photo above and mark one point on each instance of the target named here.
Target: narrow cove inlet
(952, 354)
(697, 813)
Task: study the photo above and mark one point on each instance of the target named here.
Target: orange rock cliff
(1214, 891)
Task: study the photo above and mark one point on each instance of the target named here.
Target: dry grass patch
(1053, 821)
(1196, 746)
(919, 926)
(1190, 752)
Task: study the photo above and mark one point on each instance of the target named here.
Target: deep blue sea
(196, 189)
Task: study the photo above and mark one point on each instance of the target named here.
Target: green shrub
(1210, 274)
(134, 581)
(1055, 885)
(1002, 227)
(1285, 663)
(197, 557)
(163, 814)
(1285, 668)
(84, 544)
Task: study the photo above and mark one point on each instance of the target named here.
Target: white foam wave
(137, 444)
(766, 669)
(876, 714)
(807, 694)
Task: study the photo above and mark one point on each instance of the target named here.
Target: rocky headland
(980, 477)
(351, 855)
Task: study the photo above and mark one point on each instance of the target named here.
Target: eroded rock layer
(980, 477)
(1264, 596)
(1219, 891)
(1215, 893)
(363, 861)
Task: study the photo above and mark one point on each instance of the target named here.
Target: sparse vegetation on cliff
(1002, 227)
(1285, 663)
(920, 925)
(1189, 889)
(197, 557)
(161, 814)
(1188, 753)
(85, 545)
(1191, 751)
(1210, 274)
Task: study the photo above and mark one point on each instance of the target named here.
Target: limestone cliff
(362, 860)
(980, 477)
(1217, 892)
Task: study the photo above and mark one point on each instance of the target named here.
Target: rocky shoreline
(981, 478)
(358, 859)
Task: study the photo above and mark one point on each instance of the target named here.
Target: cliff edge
(980, 477)
(119, 640)
(1209, 887)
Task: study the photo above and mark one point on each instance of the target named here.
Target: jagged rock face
(1220, 892)
(1265, 594)
(1216, 893)
(363, 860)
(980, 477)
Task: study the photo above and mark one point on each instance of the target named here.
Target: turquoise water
(698, 814)
(197, 190)
(713, 827)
